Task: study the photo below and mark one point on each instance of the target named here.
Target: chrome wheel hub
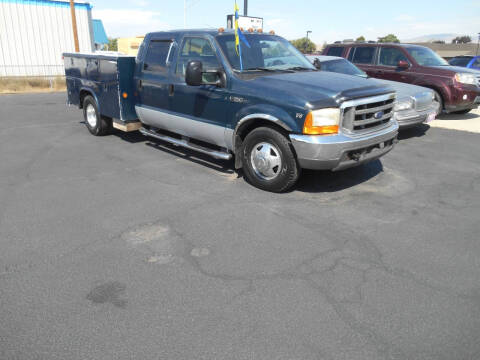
(91, 116)
(266, 161)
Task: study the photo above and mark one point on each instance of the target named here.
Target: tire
(97, 124)
(439, 99)
(461, 112)
(269, 162)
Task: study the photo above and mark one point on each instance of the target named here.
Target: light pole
(306, 42)
(185, 5)
(245, 7)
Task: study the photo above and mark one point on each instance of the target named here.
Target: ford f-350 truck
(274, 112)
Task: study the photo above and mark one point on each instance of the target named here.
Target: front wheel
(438, 98)
(269, 160)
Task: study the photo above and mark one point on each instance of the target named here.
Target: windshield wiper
(299, 68)
(266, 69)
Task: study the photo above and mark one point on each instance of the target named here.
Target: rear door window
(390, 56)
(476, 63)
(364, 55)
(156, 58)
(335, 51)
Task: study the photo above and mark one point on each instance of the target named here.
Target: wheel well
(253, 124)
(83, 94)
(247, 128)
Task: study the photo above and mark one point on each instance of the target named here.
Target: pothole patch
(158, 243)
(200, 252)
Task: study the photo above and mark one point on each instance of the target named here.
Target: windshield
(342, 66)
(266, 52)
(426, 57)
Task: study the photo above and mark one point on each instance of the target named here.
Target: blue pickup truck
(274, 112)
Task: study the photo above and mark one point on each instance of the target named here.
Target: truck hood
(318, 88)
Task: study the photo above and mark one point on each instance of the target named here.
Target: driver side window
(195, 48)
(390, 56)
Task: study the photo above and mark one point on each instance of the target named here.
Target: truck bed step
(217, 154)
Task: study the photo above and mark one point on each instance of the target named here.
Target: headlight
(465, 78)
(403, 105)
(322, 122)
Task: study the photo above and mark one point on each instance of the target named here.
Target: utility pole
(184, 14)
(478, 43)
(245, 7)
(74, 26)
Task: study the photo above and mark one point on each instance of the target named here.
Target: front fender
(267, 112)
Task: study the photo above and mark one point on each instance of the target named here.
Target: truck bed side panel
(108, 78)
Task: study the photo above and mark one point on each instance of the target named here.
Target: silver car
(415, 104)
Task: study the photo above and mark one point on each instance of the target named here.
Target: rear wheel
(461, 112)
(97, 124)
(269, 161)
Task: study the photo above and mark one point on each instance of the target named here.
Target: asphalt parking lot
(124, 248)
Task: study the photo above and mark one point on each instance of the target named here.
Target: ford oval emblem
(378, 114)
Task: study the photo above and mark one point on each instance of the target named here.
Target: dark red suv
(457, 89)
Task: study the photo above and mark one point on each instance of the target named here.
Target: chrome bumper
(342, 151)
(413, 117)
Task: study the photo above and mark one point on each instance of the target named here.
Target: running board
(186, 144)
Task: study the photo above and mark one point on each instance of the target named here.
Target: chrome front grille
(422, 100)
(367, 114)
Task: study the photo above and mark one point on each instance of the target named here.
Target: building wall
(35, 33)
(130, 45)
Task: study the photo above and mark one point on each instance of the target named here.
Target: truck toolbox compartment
(109, 77)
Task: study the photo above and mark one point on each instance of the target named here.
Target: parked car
(457, 89)
(415, 104)
(471, 62)
(276, 115)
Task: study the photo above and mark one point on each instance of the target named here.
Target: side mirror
(317, 64)
(402, 64)
(194, 72)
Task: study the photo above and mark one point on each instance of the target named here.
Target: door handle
(139, 85)
(171, 90)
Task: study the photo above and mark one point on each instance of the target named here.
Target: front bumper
(465, 97)
(342, 151)
(414, 117)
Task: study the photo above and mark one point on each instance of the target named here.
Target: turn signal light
(310, 129)
(124, 95)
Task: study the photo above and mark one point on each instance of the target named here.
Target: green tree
(112, 45)
(462, 40)
(360, 39)
(390, 38)
(304, 44)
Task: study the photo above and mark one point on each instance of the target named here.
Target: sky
(328, 20)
